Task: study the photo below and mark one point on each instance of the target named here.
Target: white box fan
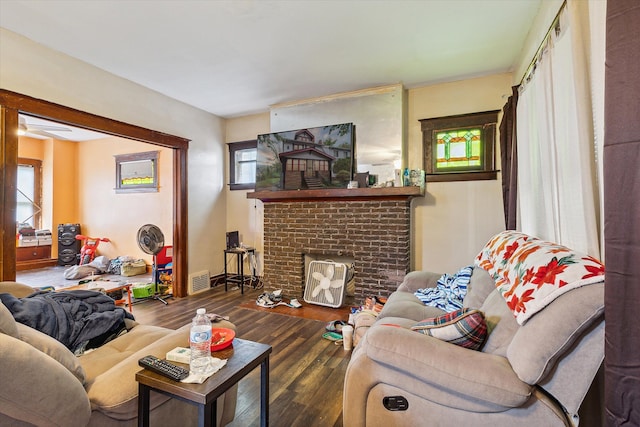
(326, 283)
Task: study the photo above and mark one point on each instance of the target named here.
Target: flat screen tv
(305, 159)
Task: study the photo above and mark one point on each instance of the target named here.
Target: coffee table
(242, 358)
(103, 284)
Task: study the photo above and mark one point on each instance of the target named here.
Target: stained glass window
(459, 149)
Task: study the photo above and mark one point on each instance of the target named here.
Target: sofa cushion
(501, 325)
(537, 345)
(52, 348)
(480, 286)
(415, 280)
(531, 273)
(405, 304)
(7, 322)
(465, 327)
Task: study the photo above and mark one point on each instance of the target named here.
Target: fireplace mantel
(388, 193)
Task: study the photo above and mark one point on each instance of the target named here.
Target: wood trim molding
(12, 104)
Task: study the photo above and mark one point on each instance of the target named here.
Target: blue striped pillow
(465, 327)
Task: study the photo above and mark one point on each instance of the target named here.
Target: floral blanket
(530, 273)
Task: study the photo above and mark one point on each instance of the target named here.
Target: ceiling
(233, 58)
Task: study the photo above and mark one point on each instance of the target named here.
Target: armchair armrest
(16, 289)
(447, 367)
(38, 390)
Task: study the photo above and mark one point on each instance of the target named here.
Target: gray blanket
(75, 318)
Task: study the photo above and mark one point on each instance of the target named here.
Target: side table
(239, 276)
(242, 358)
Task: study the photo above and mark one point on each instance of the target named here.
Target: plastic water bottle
(200, 342)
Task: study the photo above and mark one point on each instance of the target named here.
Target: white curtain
(556, 172)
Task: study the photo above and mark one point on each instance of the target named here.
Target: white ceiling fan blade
(47, 128)
(328, 296)
(318, 276)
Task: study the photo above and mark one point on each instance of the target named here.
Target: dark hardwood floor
(306, 371)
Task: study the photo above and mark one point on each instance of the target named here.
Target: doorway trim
(12, 104)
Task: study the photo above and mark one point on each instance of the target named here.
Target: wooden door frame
(12, 104)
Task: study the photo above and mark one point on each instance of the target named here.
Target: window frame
(151, 156)
(486, 121)
(233, 148)
(36, 164)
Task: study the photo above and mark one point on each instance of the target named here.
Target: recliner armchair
(533, 374)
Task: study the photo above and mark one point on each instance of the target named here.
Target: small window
(460, 148)
(137, 172)
(242, 165)
(29, 192)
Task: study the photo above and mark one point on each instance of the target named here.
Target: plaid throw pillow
(465, 327)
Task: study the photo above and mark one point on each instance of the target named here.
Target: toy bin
(143, 290)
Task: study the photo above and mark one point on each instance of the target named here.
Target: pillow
(53, 348)
(530, 273)
(465, 327)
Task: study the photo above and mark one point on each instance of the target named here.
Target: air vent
(199, 282)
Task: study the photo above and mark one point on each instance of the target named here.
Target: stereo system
(68, 246)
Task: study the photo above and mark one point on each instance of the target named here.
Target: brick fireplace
(370, 226)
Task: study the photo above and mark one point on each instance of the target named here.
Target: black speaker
(68, 246)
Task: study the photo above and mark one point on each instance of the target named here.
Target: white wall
(34, 70)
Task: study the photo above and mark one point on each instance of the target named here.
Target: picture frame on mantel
(306, 159)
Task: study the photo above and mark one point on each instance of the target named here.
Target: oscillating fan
(151, 241)
(326, 283)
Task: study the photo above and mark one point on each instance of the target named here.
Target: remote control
(163, 367)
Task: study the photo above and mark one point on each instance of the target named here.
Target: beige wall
(454, 220)
(32, 69)
(103, 213)
(246, 215)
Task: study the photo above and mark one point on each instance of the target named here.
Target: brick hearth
(375, 232)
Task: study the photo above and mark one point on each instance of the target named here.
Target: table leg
(143, 405)
(264, 392)
(240, 257)
(129, 299)
(207, 414)
(226, 273)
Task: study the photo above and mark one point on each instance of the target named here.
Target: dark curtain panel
(509, 159)
(622, 213)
